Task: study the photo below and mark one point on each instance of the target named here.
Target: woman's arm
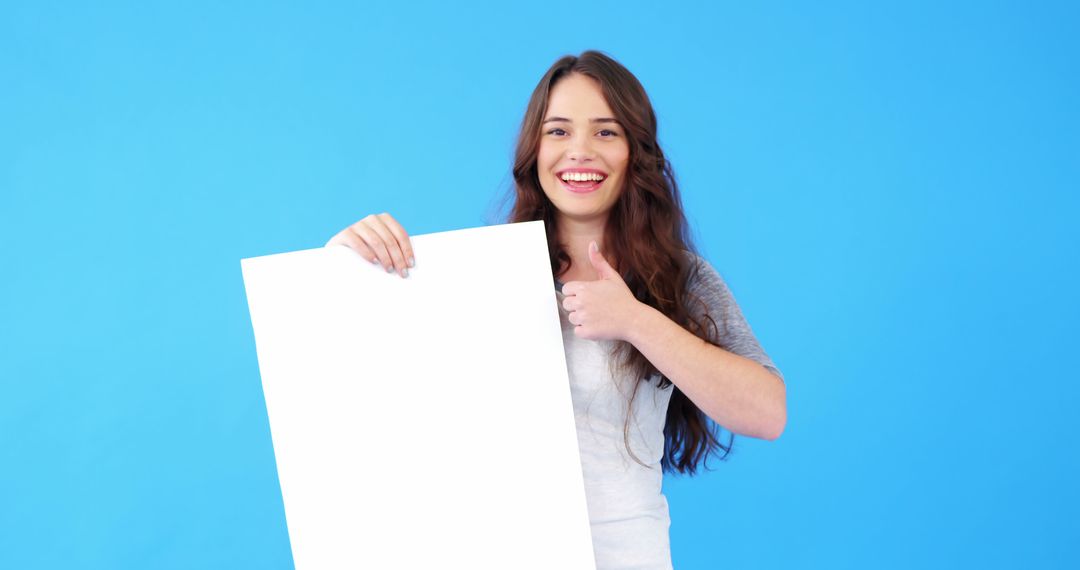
(736, 392)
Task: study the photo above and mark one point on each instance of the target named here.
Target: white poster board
(423, 422)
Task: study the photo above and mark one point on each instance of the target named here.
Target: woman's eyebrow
(596, 120)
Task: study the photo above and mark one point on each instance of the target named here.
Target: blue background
(890, 191)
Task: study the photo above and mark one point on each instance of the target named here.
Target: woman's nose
(579, 149)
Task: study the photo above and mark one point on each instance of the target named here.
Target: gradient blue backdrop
(890, 191)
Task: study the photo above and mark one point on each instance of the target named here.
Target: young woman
(654, 340)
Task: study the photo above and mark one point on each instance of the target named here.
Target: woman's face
(583, 150)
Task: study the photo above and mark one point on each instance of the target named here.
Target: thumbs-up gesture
(604, 309)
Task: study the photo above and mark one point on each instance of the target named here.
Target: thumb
(602, 266)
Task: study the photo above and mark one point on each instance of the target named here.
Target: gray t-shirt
(628, 513)
(734, 333)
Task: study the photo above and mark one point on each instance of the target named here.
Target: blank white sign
(423, 422)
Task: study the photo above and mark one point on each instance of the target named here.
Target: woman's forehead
(578, 98)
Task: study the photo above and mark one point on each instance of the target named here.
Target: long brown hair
(646, 234)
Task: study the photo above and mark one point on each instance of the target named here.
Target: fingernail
(389, 269)
(404, 272)
(374, 261)
(412, 262)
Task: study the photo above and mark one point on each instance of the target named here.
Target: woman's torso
(628, 512)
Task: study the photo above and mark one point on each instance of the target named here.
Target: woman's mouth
(581, 182)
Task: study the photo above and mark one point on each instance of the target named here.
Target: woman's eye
(556, 132)
(609, 133)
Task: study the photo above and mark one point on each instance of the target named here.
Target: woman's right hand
(381, 240)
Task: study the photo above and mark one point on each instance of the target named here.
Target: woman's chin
(581, 213)
(580, 206)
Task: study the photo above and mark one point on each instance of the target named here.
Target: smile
(581, 181)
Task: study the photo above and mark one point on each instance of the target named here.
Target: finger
(600, 264)
(336, 240)
(402, 238)
(576, 317)
(376, 223)
(350, 240)
(571, 303)
(573, 288)
(375, 242)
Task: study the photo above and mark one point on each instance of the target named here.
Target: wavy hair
(646, 235)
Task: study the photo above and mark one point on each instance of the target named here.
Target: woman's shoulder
(702, 276)
(706, 291)
(710, 295)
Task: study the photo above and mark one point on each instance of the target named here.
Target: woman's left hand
(604, 309)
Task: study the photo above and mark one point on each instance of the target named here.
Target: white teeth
(582, 176)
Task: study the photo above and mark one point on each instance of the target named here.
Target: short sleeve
(709, 294)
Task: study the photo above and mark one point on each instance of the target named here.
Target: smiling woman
(583, 152)
(655, 342)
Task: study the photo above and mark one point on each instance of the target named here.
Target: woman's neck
(575, 236)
